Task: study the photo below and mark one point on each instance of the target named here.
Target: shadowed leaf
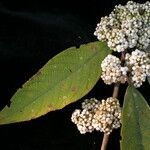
(135, 122)
(148, 78)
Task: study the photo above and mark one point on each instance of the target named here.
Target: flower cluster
(103, 116)
(139, 64)
(136, 68)
(126, 27)
(83, 119)
(112, 71)
(108, 116)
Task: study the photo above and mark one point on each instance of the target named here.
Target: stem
(105, 141)
(116, 90)
(106, 137)
(114, 95)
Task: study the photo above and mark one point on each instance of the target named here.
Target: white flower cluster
(126, 27)
(104, 116)
(139, 64)
(112, 71)
(83, 119)
(108, 116)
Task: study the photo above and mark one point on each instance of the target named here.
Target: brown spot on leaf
(92, 48)
(66, 102)
(74, 89)
(142, 113)
(1, 119)
(88, 86)
(50, 107)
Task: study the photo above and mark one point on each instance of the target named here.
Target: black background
(31, 33)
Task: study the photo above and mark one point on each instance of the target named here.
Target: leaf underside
(64, 79)
(135, 121)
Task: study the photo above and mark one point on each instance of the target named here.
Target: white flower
(112, 71)
(83, 119)
(126, 27)
(108, 116)
(104, 116)
(139, 64)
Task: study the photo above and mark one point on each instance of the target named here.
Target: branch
(114, 95)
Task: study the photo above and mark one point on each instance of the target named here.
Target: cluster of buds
(126, 30)
(126, 27)
(108, 116)
(83, 119)
(112, 71)
(139, 64)
(103, 116)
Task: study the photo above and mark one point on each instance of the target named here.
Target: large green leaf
(135, 121)
(64, 79)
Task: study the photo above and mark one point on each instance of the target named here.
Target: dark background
(30, 34)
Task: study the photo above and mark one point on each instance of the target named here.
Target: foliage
(64, 79)
(135, 121)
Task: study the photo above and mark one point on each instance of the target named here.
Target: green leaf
(135, 121)
(64, 79)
